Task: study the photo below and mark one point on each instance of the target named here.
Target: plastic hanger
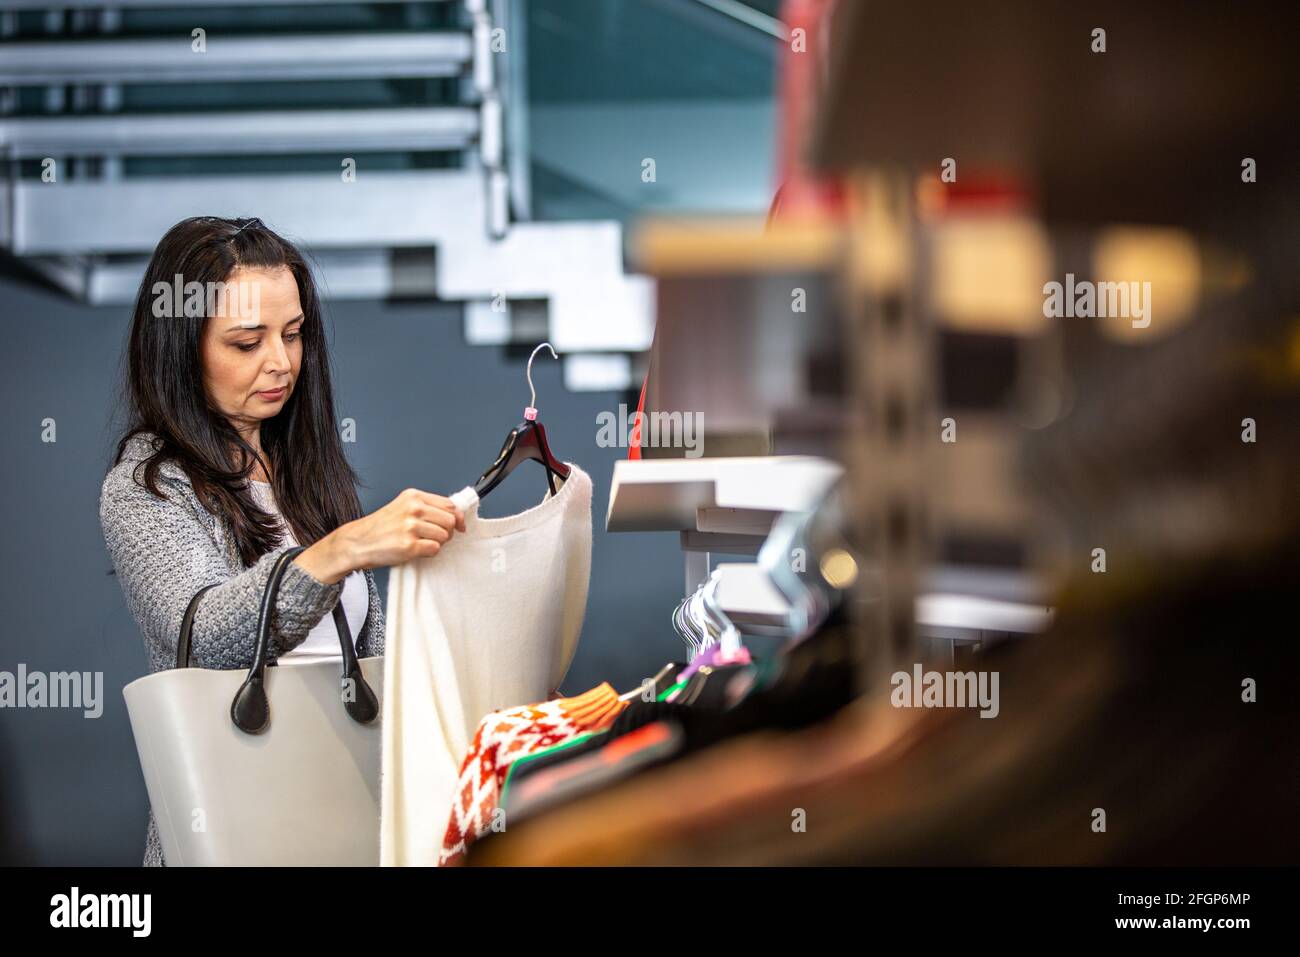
(688, 623)
(679, 625)
(733, 650)
(526, 441)
(664, 679)
(730, 652)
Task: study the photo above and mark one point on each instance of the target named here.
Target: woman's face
(251, 347)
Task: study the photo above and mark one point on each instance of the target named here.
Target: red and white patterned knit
(503, 737)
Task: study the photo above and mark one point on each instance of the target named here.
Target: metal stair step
(285, 57)
(276, 131)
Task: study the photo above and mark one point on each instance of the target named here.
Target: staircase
(389, 142)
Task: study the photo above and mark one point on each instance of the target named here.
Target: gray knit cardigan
(164, 550)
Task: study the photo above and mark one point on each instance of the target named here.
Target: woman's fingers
(435, 510)
(423, 548)
(431, 499)
(431, 530)
(447, 518)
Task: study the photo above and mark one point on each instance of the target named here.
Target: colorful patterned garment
(505, 736)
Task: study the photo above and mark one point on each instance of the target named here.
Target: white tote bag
(276, 766)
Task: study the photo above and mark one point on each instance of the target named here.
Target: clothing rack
(849, 384)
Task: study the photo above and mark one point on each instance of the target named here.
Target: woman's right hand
(415, 524)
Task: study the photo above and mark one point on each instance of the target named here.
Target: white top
(491, 621)
(322, 642)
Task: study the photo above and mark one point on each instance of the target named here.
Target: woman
(232, 456)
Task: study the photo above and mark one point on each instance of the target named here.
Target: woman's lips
(272, 395)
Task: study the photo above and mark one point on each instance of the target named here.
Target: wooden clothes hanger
(526, 441)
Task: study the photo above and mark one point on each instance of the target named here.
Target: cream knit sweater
(491, 621)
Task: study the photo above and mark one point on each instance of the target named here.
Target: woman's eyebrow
(247, 326)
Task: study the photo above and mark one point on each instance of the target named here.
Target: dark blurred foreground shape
(1132, 703)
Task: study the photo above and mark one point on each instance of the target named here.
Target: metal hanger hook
(532, 392)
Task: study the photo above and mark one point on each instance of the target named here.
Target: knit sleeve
(163, 554)
(371, 639)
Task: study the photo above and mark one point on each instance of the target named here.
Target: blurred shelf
(942, 614)
(686, 246)
(747, 595)
(720, 496)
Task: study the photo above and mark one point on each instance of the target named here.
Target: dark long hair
(314, 485)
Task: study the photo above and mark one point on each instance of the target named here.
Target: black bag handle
(251, 710)
(358, 697)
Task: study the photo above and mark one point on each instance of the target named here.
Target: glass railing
(641, 106)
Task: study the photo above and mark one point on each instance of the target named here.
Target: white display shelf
(748, 597)
(937, 610)
(739, 496)
(718, 505)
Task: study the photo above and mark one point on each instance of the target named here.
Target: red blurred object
(634, 442)
(803, 193)
(800, 193)
(978, 193)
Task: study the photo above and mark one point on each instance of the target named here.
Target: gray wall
(431, 412)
